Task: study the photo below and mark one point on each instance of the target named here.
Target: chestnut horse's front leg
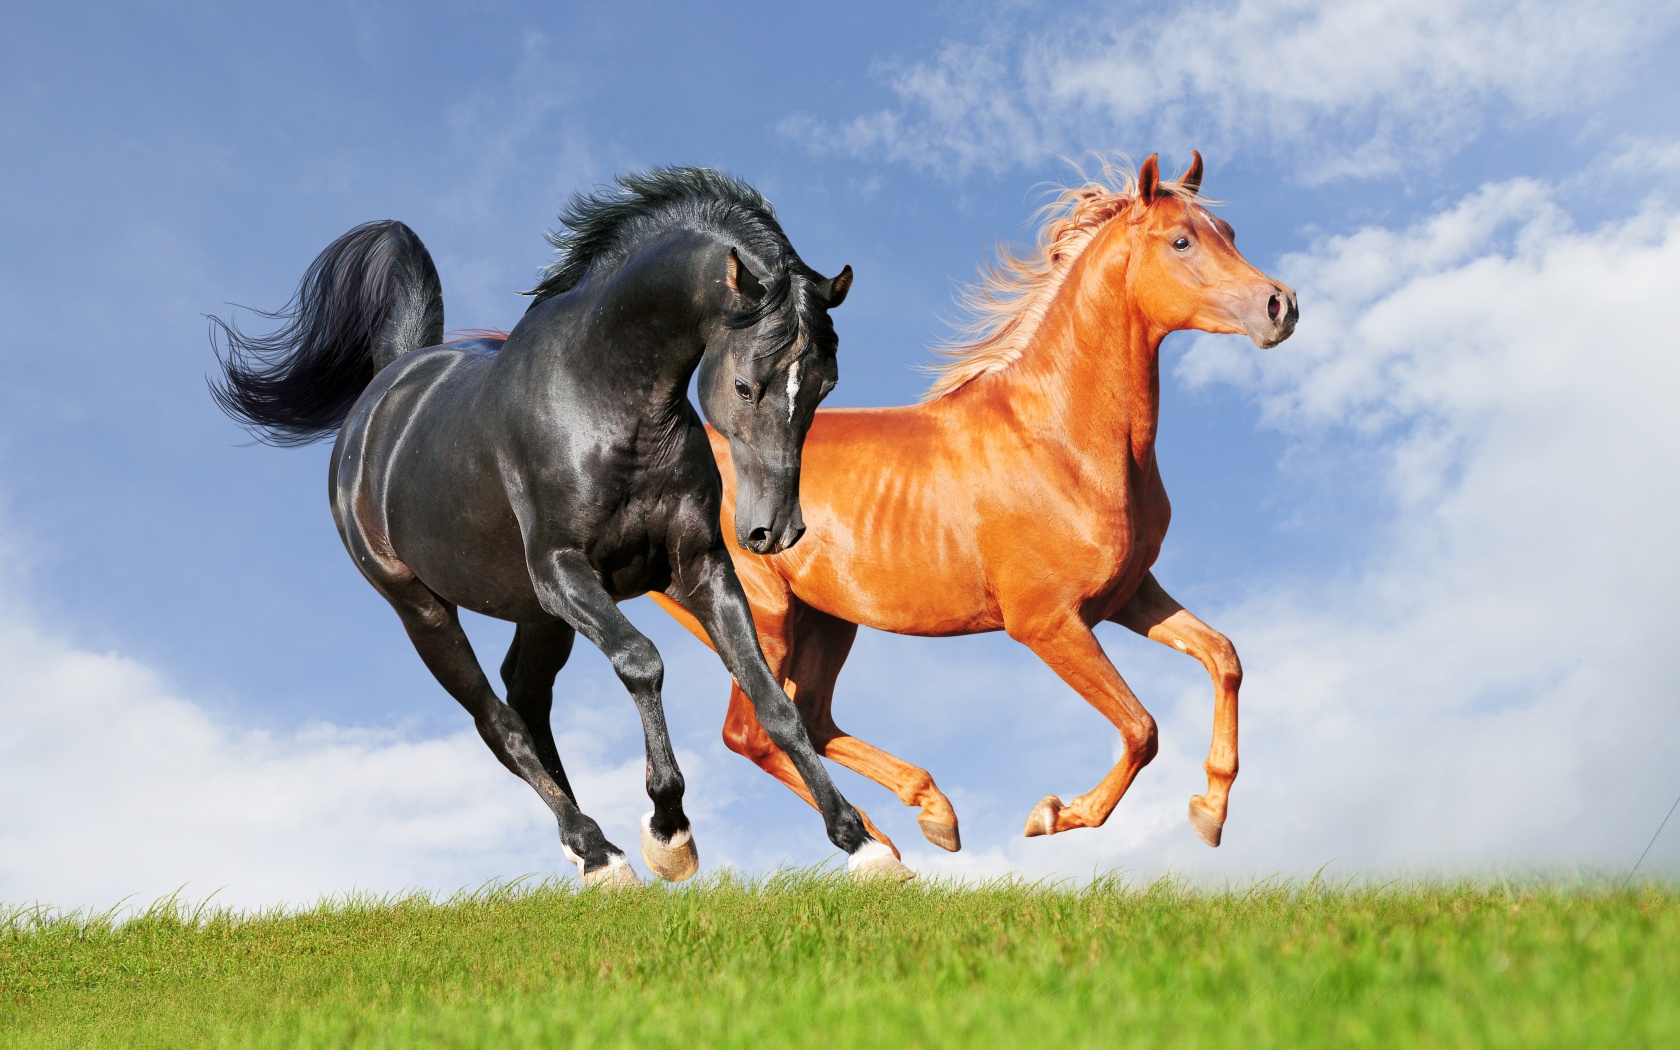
(1064, 642)
(711, 591)
(1152, 612)
(742, 732)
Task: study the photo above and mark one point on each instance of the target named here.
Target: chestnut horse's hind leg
(538, 652)
(1067, 645)
(1152, 612)
(435, 629)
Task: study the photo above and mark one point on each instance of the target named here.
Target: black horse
(546, 477)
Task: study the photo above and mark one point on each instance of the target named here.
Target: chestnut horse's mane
(1008, 303)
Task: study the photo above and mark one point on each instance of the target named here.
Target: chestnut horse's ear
(741, 280)
(1149, 179)
(833, 290)
(1192, 177)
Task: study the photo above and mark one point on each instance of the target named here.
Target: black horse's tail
(371, 297)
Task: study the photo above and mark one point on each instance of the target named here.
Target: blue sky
(1434, 523)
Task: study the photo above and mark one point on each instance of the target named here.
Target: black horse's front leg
(568, 588)
(712, 592)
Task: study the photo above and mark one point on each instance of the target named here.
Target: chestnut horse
(1022, 494)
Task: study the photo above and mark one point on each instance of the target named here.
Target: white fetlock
(672, 861)
(872, 861)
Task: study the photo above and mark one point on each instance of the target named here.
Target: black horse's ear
(835, 288)
(1149, 179)
(741, 280)
(1192, 177)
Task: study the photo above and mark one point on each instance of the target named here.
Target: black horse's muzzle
(775, 533)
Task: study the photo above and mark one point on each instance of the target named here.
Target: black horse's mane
(373, 295)
(599, 231)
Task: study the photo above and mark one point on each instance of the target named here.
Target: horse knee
(639, 666)
(1223, 664)
(783, 726)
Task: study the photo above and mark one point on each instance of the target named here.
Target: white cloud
(1380, 80)
(1494, 686)
(114, 786)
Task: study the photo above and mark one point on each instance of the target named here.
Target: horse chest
(629, 553)
(1123, 542)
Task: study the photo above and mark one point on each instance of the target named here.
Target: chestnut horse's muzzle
(1277, 323)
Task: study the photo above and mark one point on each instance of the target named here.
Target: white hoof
(874, 861)
(672, 861)
(617, 874)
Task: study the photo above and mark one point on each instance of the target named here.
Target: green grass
(810, 959)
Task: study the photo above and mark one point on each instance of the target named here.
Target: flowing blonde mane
(1009, 301)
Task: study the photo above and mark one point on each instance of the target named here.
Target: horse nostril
(758, 537)
(1274, 306)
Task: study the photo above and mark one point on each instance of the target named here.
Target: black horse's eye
(744, 390)
(1182, 243)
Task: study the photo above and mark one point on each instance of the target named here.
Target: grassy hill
(810, 959)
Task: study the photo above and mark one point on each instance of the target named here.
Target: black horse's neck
(635, 334)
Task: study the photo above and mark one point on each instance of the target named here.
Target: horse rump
(370, 297)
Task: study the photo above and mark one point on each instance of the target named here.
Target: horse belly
(930, 586)
(487, 576)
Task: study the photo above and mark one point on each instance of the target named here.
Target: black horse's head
(765, 370)
(769, 345)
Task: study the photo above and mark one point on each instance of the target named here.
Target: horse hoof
(942, 835)
(672, 861)
(616, 874)
(1042, 820)
(1208, 829)
(875, 862)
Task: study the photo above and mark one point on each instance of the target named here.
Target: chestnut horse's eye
(1182, 243)
(744, 390)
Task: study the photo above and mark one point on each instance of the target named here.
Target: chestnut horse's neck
(1090, 372)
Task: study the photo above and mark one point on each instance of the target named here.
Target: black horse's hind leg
(435, 629)
(715, 597)
(538, 652)
(568, 588)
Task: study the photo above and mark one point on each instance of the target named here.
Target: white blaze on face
(1206, 217)
(793, 389)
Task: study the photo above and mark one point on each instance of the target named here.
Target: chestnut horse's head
(1184, 269)
(1154, 252)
